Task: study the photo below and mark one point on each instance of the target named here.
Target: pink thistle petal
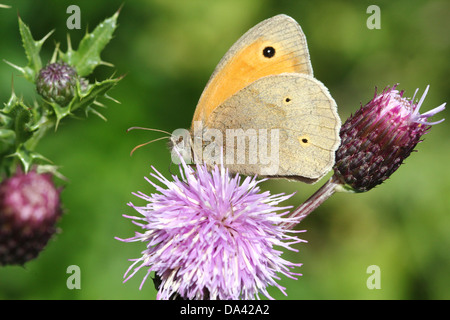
(213, 236)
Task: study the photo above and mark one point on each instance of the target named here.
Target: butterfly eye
(268, 52)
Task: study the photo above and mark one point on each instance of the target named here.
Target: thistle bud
(378, 137)
(57, 83)
(29, 210)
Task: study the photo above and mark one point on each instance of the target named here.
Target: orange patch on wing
(247, 66)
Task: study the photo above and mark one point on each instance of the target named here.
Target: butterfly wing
(299, 109)
(276, 45)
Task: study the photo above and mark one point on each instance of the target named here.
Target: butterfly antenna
(148, 129)
(146, 143)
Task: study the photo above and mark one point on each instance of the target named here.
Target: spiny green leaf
(13, 100)
(22, 117)
(7, 140)
(17, 117)
(26, 71)
(32, 49)
(6, 134)
(22, 123)
(28, 158)
(60, 112)
(87, 57)
(98, 89)
(83, 100)
(49, 168)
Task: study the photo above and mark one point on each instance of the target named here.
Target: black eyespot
(304, 141)
(269, 52)
(287, 100)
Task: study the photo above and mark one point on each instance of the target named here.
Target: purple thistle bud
(212, 236)
(57, 83)
(29, 210)
(378, 137)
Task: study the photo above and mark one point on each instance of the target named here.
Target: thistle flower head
(57, 83)
(212, 236)
(29, 210)
(379, 136)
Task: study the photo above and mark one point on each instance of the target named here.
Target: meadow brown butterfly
(262, 111)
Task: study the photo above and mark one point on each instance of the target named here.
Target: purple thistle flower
(212, 236)
(378, 137)
(29, 209)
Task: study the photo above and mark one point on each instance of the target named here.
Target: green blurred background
(168, 49)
